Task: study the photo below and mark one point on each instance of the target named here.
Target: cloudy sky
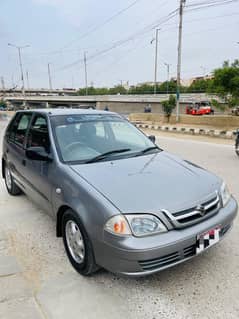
(117, 42)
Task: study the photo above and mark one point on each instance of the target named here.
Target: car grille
(176, 256)
(169, 259)
(196, 213)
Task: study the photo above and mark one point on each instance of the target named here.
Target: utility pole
(20, 63)
(2, 82)
(86, 85)
(168, 68)
(13, 83)
(49, 76)
(182, 4)
(27, 75)
(156, 60)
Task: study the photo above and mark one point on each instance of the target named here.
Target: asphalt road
(205, 287)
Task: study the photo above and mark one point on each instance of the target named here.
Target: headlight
(225, 194)
(118, 225)
(143, 225)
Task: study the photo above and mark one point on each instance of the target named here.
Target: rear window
(18, 129)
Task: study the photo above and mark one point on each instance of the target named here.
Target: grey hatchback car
(119, 201)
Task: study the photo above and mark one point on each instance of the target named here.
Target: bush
(3, 104)
(168, 106)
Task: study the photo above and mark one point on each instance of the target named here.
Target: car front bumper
(144, 256)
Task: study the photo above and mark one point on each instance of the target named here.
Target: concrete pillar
(47, 105)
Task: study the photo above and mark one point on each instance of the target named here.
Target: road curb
(188, 130)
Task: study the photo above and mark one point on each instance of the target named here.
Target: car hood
(150, 183)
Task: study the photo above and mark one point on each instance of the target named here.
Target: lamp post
(168, 68)
(19, 48)
(156, 60)
(49, 76)
(86, 76)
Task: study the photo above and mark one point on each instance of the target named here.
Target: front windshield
(81, 138)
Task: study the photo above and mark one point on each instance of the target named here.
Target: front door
(39, 173)
(15, 151)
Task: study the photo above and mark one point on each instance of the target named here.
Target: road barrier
(188, 130)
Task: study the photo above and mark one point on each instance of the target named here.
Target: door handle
(24, 162)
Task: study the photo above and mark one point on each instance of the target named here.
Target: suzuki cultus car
(120, 202)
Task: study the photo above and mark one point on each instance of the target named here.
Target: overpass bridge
(119, 103)
(35, 92)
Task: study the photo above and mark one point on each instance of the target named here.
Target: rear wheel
(77, 244)
(11, 186)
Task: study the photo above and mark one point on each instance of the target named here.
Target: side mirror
(38, 153)
(152, 138)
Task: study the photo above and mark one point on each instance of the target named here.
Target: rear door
(15, 148)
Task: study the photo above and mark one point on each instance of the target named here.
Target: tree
(218, 105)
(200, 85)
(119, 89)
(168, 106)
(226, 82)
(3, 104)
(171, 86)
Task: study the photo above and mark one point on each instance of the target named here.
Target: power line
(146, 29)
(157, 23)
(203, 5)
(203, 19)
(69, 50)
(99, 26)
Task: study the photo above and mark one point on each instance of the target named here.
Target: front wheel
(12, 188)
(77, 244)
(237, 147)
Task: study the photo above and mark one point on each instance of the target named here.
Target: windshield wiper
(148, 149)
(104, 155)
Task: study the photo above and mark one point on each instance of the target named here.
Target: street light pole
(86, 84)
(168, 67)
(27, 75)
(20, 63)
(156, 61)
(49, 76)
(2, 82)
(182, 3)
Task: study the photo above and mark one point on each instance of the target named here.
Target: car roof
(61, 111)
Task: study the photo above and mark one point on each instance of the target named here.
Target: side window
(38, 133)
(18, 129)
(100, 129)
(10, 126)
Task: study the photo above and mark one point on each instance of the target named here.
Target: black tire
(12, 188)
(88, 265)
(237, 147)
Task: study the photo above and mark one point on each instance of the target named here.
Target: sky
(117, 42)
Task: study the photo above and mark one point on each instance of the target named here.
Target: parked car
(200, 108)
(120, 202)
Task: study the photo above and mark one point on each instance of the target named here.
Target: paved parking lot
(38, 282)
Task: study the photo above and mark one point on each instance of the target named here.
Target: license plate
(207, 239)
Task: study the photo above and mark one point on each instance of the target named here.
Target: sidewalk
(65, 296)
